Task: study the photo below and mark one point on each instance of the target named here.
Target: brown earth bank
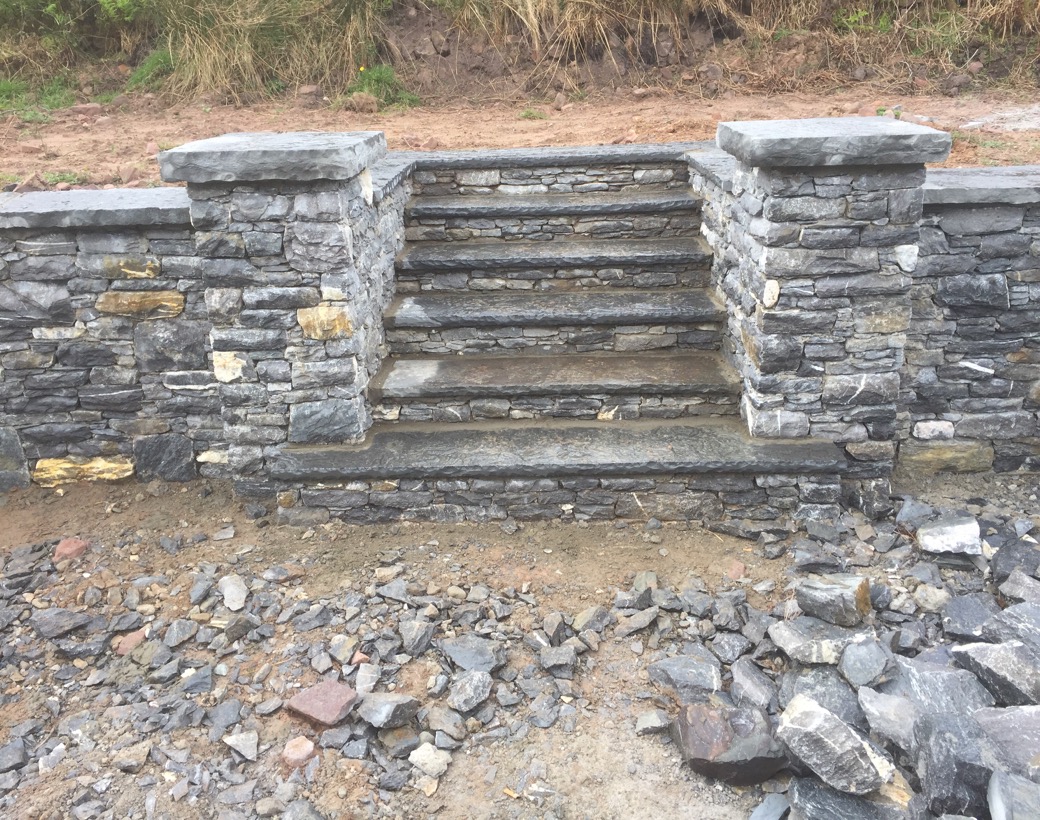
(108, 145)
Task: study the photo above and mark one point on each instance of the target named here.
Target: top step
(552, 156)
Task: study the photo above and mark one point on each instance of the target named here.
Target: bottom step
(695, 470)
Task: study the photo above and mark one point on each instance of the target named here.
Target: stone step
(553, 216)
(555, 449)
(441, 256)
(604, 386)
(555, 169)
(508, 321)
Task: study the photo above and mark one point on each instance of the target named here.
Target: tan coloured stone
(115, 268)
(325, 322)
(297, 752)
(50, 472)
(947, 456)
(228, 366)
(154, 304)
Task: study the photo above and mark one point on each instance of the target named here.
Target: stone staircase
(554, 351)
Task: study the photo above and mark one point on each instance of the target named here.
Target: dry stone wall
(874, 305)
(177, 332)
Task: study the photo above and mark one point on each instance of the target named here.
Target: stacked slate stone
(297, 255)
(902, 680)
(973, 362)
(103, 339)
(815, 232)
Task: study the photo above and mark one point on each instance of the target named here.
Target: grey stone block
(171, 345)
(296, 157)
(974, 290)
(333, 421)
(14, 471)
(832, 141)
(168, 457)
(973, 221)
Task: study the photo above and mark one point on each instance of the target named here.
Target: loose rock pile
(900, 678)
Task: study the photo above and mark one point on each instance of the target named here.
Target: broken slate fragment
(469, 690)
(328, 702)
(810, 640)
(935, 688)
(387, 710)
(834, 751)
(1011, 797)
(416, 636)
(691, 677)
(234, 591)
(55, 622)
(955, 763)
(471, 652)
(1011, 670)
(559, 661)
(637, 622)
(843, 600)
(964, 616)
(1018, 622)
(952, 534)
(1020, 588)
(731, 744)
(891, 718)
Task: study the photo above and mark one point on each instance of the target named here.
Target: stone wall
(103, 339)
(176, 332)
(875, 306)
(971, 382)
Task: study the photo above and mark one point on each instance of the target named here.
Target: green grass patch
(532, 114)
(12, 93)
(56, 94)
(71, 177)
(382, 83)
(149, 75)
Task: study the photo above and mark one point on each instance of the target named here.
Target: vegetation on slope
(253, 48)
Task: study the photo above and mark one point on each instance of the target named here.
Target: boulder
(731, 744)
(832, 749)
(843, 600)
(1011, 797)
(810, 640)
(951, 535)
(1011, 670)
(954, 763)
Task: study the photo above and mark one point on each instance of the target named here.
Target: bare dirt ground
(601, 769)
(116, 146)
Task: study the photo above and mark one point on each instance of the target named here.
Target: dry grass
(251, 48)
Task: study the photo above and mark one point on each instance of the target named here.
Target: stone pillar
(283, 225)
(822, 225)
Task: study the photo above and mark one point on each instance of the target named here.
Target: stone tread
(683, 374)
(552, 156)
(519, 309)
(520, 205)
(561, 253)
(555, 449)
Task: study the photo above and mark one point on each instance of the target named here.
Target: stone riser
(548, 279)
(588, 407)
(545, 228)
(701, 336)
(667, 498)
(553, 179)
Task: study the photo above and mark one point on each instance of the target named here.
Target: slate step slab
(438, 377)
(511, 309)
(699, 446)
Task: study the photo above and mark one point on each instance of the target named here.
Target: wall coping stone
(551, 156)
(264, 157)
(715, 165)
(1012, 185)
(832, 141)
(389, 173)
(112, 208)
